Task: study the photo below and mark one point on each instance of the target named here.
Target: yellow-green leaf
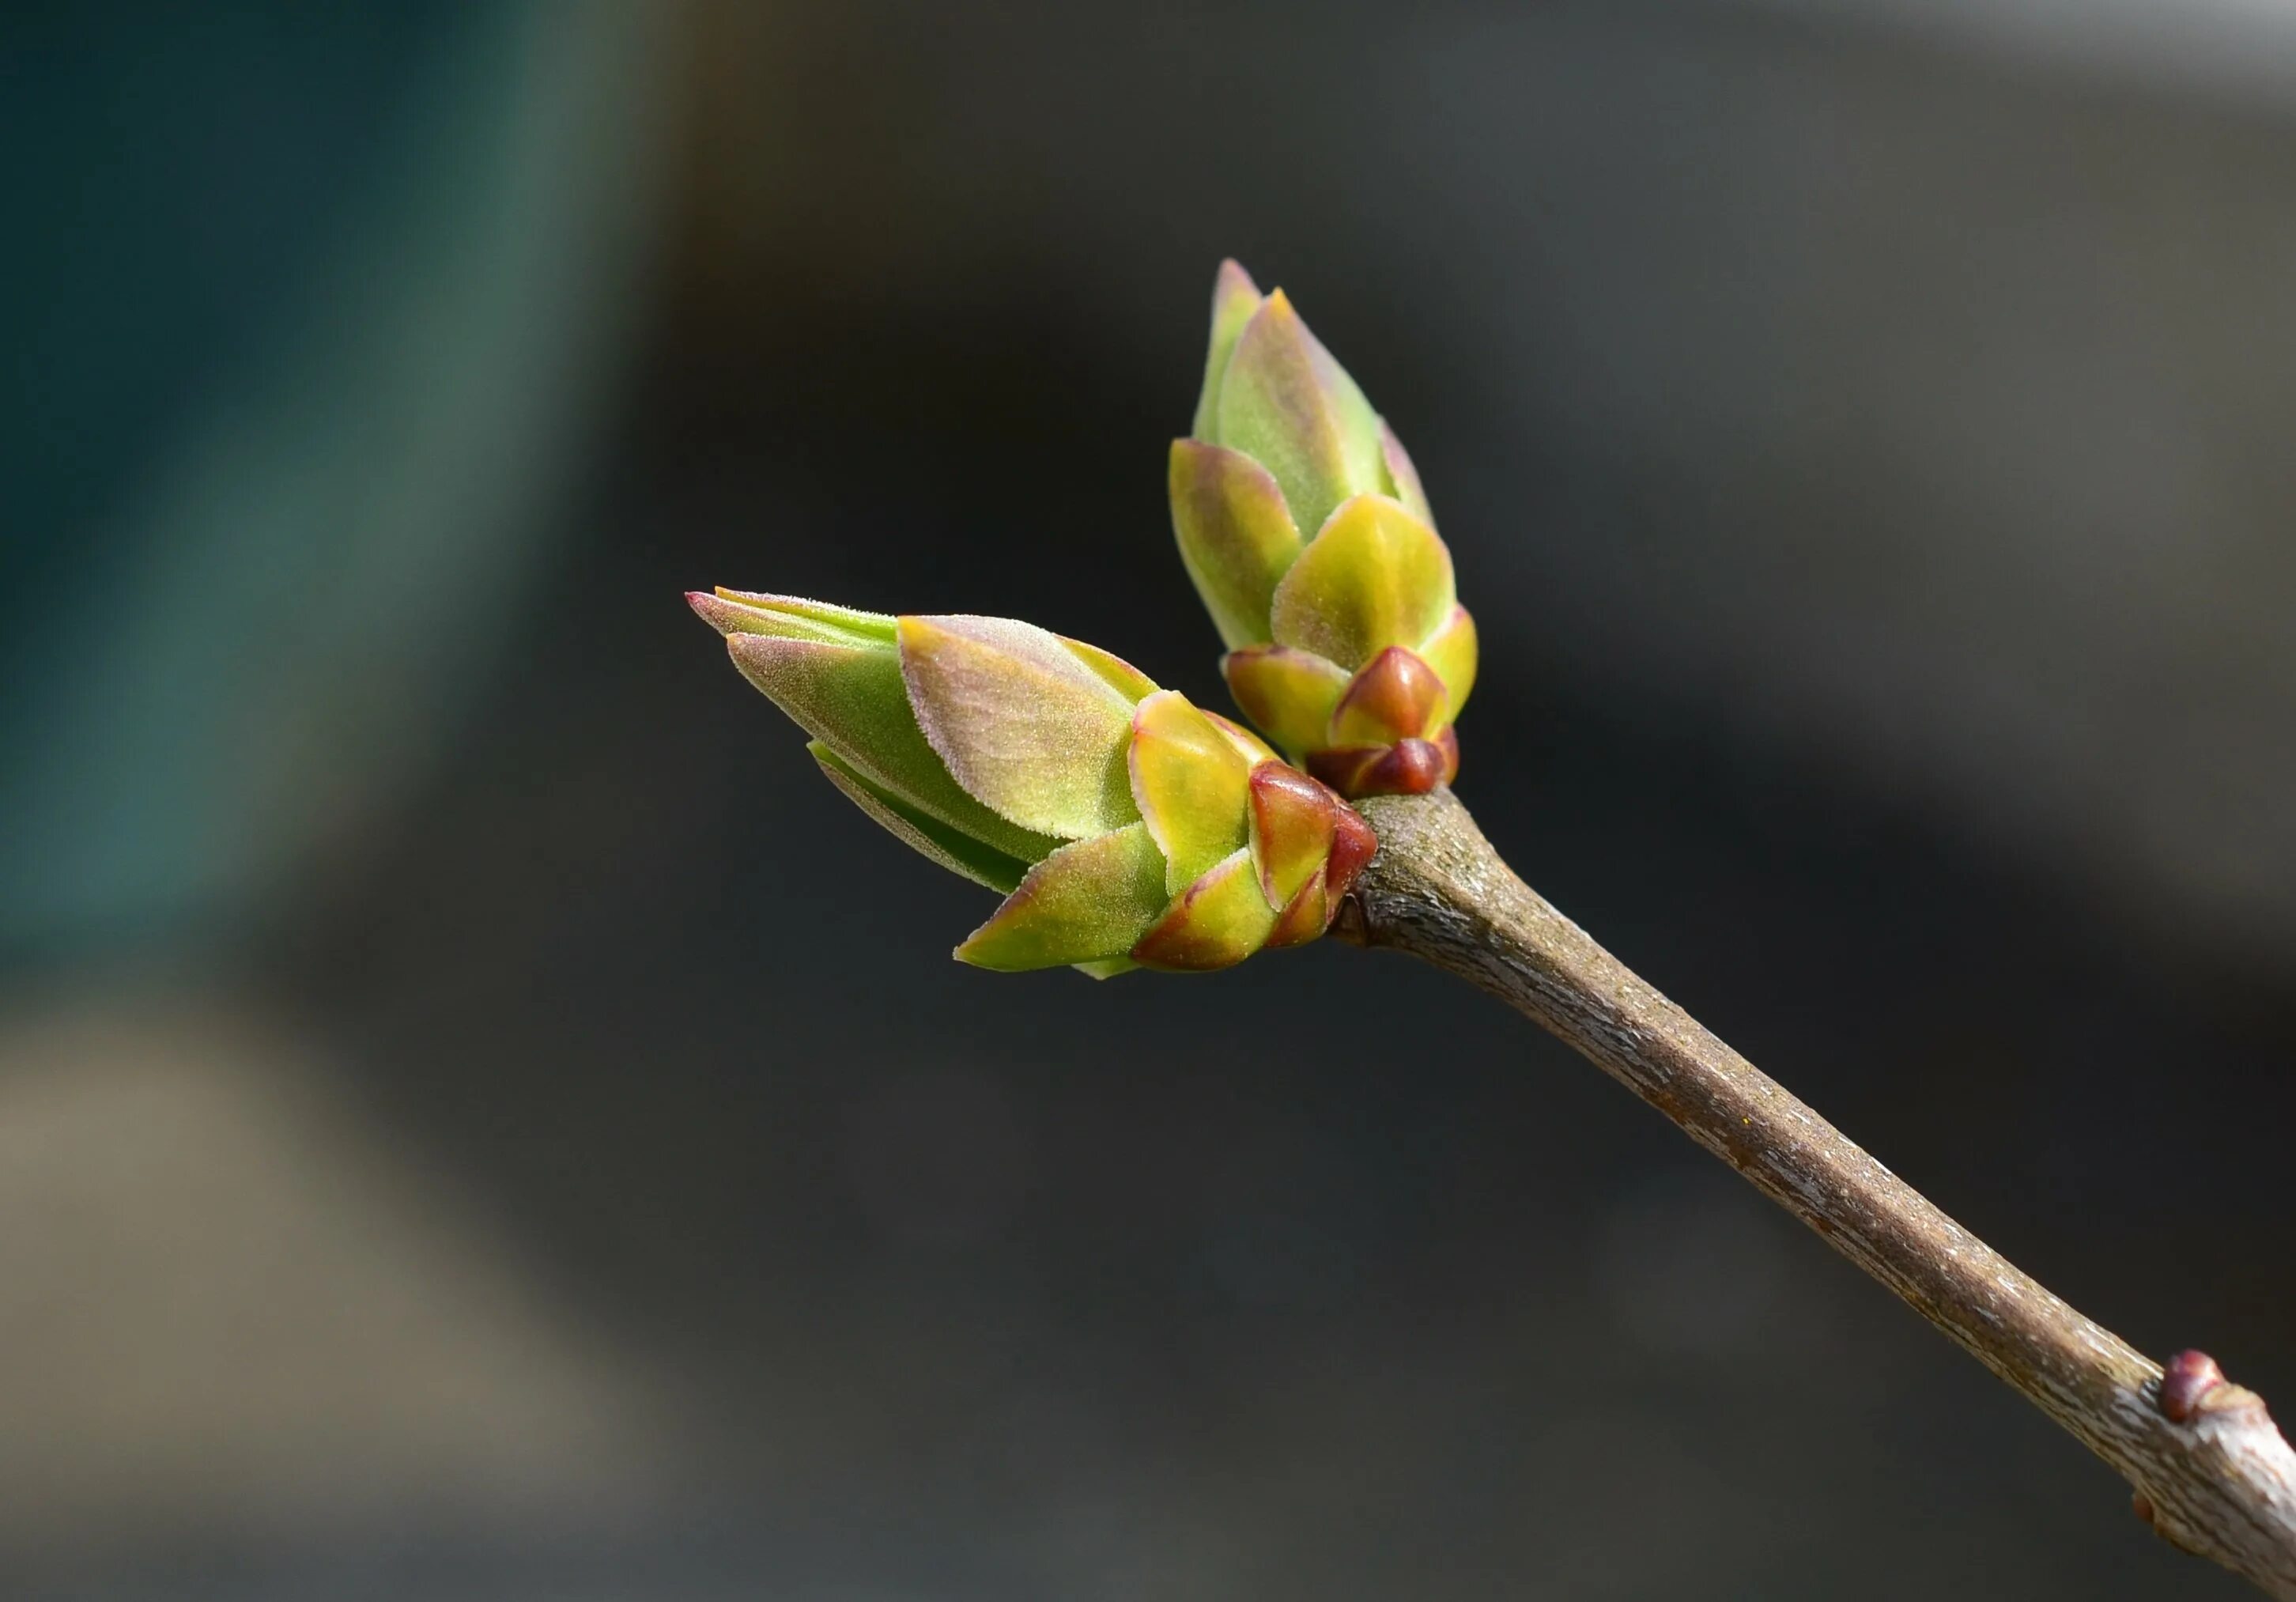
(1235, 298)
(1024, 724)
(1218, 921)
(1374, 576)
(1289, 694)
(851, 698)
(928, 836)
(791, 617)
(1451, 652)
(1236, 539)
(1188, 780)
(1087, 902)
(1287, 405)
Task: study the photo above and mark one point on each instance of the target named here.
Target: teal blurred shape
(317, 306)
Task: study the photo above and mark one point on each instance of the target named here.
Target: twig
(2211, 1472)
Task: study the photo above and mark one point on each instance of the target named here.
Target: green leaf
(1121, 676)
(1286, 403)
(1237, 538)
(1451, 652)
(1289, 693)
(1189, 780)
(1402, 477)
(1255, 749)
(1235, 298)
(1218, 921)
(852, 699)
(1023, 722)
(926, 834)
(1090, 901)
(1374, 576)
(738, 611)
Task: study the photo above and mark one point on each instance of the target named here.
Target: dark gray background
(479, 1119)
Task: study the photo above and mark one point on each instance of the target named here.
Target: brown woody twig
(2211, 1472)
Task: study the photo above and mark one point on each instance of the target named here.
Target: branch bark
(2210, 1470)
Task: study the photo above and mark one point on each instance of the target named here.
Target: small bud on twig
(2186, 1381)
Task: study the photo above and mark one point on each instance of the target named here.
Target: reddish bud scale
(1406, 768)
(1351, 851)
(1384, 731)
(2186, 1381)
(1396, 697)
(1304, 918)
(1306, 846)
(1292, 823)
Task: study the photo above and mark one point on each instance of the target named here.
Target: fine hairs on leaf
(1127, 828)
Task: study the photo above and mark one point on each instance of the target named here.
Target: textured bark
(2211, 1472)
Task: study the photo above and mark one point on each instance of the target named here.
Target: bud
(1347, 644)
(1124, 826)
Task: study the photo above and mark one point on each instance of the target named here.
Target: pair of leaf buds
(1124, 827)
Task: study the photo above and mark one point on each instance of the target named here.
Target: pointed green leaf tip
(1235, 298)
(1272, 391)
(1124, 827)
(837, 673)
(1287, 405)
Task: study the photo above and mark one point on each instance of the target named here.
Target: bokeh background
(479, 1118)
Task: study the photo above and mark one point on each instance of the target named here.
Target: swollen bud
(1124, 826)
(1302, 523)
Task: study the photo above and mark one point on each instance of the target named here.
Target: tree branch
(2211, 1472)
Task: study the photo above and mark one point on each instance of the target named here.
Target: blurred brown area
(479, 1119)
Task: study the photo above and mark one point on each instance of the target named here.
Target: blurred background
(479, 1118)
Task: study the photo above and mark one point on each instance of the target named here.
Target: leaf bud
(1303, 525)
(1124, 826)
